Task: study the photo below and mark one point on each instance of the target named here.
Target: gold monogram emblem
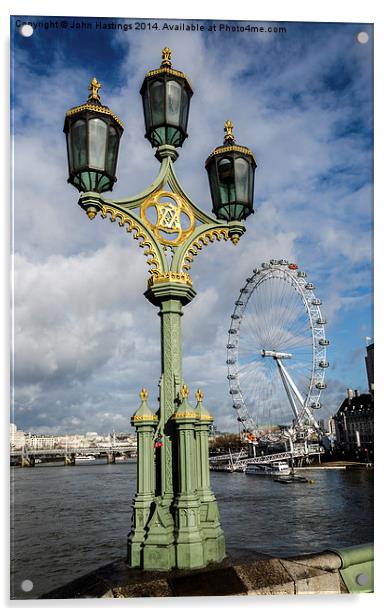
(169, 217)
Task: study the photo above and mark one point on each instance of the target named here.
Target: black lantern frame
(93, 135)
(231, 171)
(166, 95)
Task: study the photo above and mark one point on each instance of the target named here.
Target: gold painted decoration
(161, 277)
(94, 87)
(95, 108)
(228, 128)
(150, 251)
(199, 395)
(166, 209)
(91, 212)
(184, 391)
(224, 149)
(209, 418)
(136, 418)
(202, 240)
(186, 415)
(166, 57)
(143, 394)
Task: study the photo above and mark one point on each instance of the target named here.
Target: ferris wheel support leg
(305, 409)
(285, 380)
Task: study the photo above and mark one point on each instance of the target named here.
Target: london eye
(276, 354)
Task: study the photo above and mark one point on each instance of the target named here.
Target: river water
(69, 520)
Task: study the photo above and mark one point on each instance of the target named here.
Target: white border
(284, 10)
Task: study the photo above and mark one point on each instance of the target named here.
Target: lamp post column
(159, 546)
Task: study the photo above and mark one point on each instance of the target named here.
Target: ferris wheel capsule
(316, 302)
(309, 286)
(265, 265)
(293, 266)
(323, 364)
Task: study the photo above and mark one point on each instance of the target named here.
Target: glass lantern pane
(226, 181)
(69, 147)
(145, 101)
(184, 110)
(97, 143)
(251, 180)
(112, 150)
(214, 185)
(173, 102)
(79, 144)
(157, 102)
(242, 180)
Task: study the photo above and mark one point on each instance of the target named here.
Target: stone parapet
(252, 574)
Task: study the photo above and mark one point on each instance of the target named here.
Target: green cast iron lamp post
(175, 520)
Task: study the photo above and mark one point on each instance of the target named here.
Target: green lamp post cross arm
(156, 258)
(202, 236)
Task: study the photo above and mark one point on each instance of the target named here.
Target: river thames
(69, 520)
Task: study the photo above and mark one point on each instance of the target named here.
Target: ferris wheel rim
(288, 272)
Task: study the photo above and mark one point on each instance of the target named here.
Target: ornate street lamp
(93, 133)
(231, 171)
(166, 95)
(176, 521)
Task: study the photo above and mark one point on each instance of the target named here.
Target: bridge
(236, 462)
(68, 454)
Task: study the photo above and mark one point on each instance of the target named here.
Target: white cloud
(84, 333)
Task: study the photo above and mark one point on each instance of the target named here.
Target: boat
(120, 458)
(84, 457)
(275, 468)
(293, 479)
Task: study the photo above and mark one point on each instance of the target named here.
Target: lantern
(231, 171)
(93, 133)
(166, 95)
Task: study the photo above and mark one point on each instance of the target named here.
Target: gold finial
(199, 395)
(184, 391)
(229, 137)
(94, 87)
(143, 394)
(166, 56)
(91, 212)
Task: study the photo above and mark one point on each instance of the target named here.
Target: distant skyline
(85, 339)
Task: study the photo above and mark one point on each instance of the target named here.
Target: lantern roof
(166, 68)
(94, 104)
(229, 145)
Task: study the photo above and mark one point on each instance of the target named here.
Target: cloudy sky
(85, 339)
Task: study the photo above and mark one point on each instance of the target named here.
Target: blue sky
(85, 338)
